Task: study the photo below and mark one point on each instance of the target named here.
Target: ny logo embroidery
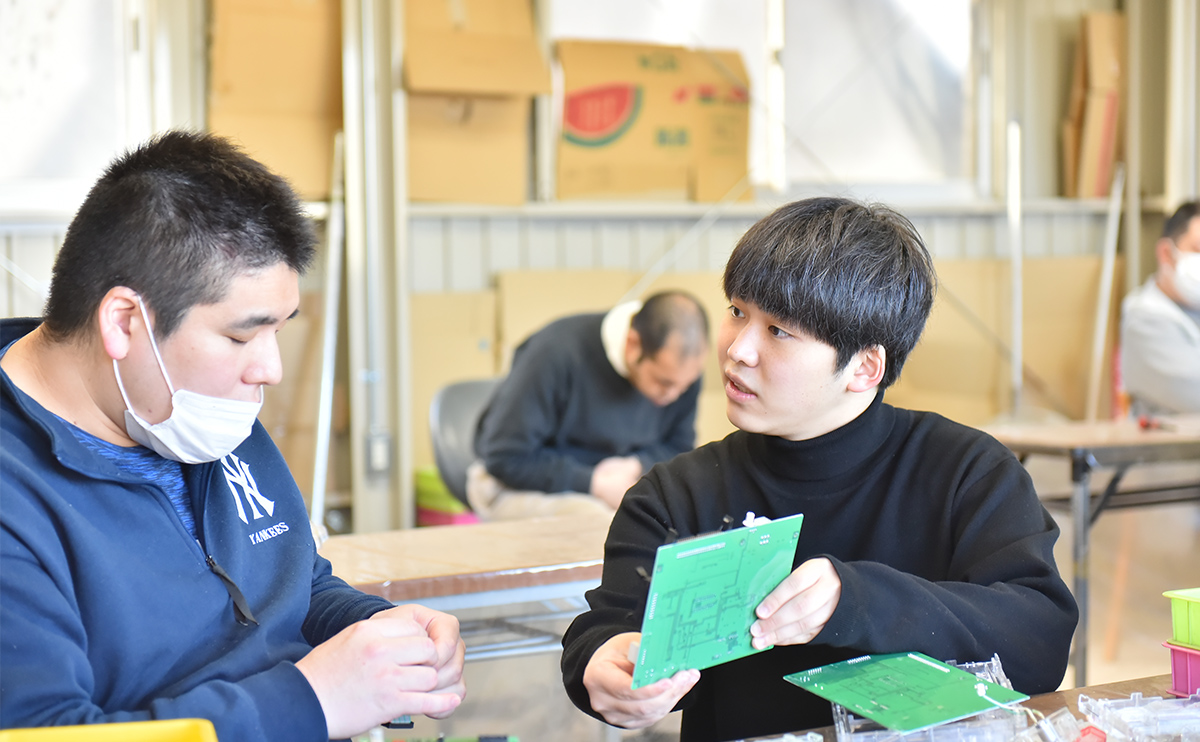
(237, 472)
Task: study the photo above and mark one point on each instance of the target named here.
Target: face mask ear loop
(121, 386)
(154, 344)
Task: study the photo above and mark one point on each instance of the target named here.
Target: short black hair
(1178, 222)
(671, 312)
(175, 220)
(852, 275)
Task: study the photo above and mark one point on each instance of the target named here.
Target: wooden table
(1158, 685)
(484, 565)
(1088, 445)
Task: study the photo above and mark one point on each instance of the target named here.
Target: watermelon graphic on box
(600, 115)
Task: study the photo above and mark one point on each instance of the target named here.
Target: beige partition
(453, 338)
(960, 368)
(527, 300)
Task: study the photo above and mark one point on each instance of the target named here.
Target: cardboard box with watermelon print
(471, 69)
(649, 121)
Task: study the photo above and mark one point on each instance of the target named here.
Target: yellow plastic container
(167, 730)
(1185, 616)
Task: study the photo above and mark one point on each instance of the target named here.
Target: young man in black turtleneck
(919, 534)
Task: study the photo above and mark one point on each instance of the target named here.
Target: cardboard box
(471, 68)
(1093, 129)
(1099, 143)
(1103, 38)
(648, 121)
(276, 85)
(1074, 122)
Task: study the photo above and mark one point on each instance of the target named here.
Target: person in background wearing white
(1160, 324)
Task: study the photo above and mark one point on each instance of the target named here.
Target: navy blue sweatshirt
(110, 610)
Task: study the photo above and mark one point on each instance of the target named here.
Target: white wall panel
(579, 238)
(504, 239)
(32, 253)
(543, 245)
(468, 264)
(427, 252)
(722, 238)
(615, 241)
(650, 238)
(978, 238)
(1037, 238)
(463, 253)
(1068, 234)
(691, 254)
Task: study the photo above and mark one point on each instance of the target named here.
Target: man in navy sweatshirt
(156, 559)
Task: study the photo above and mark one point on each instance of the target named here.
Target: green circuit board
(905, 692)
(703, 593)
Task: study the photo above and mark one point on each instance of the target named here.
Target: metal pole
(1100, 331)
(1013, 193)
(378, 444)
(401, 288)
(334, 239)
(1133, 153)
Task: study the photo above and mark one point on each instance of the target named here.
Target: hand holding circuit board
(704, 593)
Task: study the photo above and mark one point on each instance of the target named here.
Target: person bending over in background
(156, 559)
(919, 534)
(591, 403)
(1160, 324)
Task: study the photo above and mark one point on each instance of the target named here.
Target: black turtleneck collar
(830, 455)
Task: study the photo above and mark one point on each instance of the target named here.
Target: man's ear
(117, 315)
(633, 347)
(868, 366)
(1162, 250)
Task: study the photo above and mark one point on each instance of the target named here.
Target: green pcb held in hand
(703, 593)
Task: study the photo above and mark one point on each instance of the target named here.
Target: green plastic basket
(1185, 616)
(432, 492)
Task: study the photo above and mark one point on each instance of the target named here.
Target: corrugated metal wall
(30, 253)
(462, 253)
(459, 251)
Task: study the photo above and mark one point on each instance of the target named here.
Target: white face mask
(200, 428)
(1187, 277)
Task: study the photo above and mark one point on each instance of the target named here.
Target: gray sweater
(563, 408)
